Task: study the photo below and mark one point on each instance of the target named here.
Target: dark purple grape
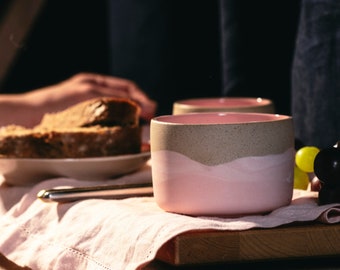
(329, 195)
(327, 166)
(315, 184)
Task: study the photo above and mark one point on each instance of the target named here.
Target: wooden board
(298, 241)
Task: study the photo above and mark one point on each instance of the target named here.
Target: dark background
(68, 37)
(73, 36)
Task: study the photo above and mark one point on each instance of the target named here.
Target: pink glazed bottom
(250, 185)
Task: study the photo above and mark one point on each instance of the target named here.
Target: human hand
(83, 86)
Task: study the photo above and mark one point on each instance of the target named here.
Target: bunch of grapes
(327, 170)
(320, 169)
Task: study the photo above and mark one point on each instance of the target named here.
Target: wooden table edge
(286, 242)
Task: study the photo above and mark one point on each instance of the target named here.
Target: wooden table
(286, 242)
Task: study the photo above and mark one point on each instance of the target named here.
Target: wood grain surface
(294, 241)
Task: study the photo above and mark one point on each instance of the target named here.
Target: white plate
(28, 171)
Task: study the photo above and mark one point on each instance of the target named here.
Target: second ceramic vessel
(224, 104)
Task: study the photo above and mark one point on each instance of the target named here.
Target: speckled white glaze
(224, 104)
(222, 163)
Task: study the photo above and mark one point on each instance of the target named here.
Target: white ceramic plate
(28, 171)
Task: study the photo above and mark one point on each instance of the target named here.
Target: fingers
(119, 87)
(102, 80)
(148, 109)
(148, 106)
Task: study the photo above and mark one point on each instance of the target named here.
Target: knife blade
(95, 192)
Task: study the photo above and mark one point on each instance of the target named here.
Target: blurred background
(173, 49)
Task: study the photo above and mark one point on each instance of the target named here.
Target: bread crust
(103, 111)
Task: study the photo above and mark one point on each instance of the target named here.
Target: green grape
(304, 158)
(301, 179)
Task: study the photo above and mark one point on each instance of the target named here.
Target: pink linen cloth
(116, 234)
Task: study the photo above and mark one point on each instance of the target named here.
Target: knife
(95, 192)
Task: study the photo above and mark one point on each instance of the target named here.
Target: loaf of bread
(94, 128)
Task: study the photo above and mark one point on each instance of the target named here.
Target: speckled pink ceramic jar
(224, 104)
(222, 163)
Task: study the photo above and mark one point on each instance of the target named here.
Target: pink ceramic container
(225, 164)
(224, 104)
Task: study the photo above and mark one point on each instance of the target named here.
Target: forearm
(19, 109)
